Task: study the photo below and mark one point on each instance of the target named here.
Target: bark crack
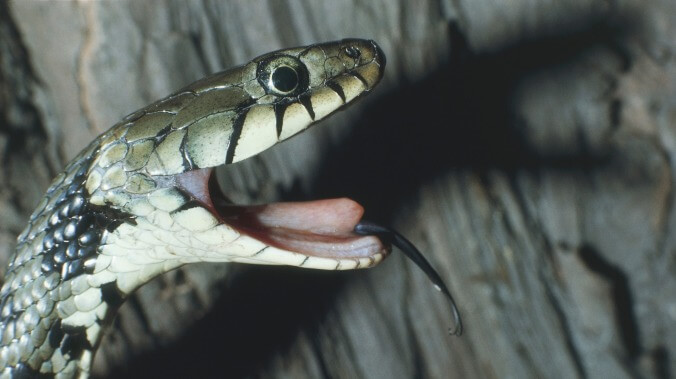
(661, 358)
(417, 355)
(567, 332)
(315, 343)
(23, 134)
(623, 300)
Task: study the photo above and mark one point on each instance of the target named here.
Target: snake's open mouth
(321, 228)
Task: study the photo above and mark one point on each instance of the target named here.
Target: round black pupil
(285, 79)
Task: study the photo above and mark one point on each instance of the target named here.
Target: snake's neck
(55, 303)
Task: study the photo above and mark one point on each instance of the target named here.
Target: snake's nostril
(352, 52)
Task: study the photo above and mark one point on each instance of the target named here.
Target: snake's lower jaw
(321, 230)
(313, 234)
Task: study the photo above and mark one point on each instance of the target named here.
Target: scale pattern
(45, 284)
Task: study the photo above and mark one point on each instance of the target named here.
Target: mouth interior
(319, 228)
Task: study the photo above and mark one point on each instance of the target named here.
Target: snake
(140, 200)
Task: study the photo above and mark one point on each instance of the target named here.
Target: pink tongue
(322, 228)
(327, 217)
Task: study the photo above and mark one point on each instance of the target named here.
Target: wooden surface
(526, 147)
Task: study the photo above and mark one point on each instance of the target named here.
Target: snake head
(142, 199)
(155, 167)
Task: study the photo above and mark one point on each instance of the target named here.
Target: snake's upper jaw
(320, 232)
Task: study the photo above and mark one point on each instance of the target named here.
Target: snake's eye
(283, 75)
(284, 79)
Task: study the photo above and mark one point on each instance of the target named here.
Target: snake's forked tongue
(393, 237)
(329, 228)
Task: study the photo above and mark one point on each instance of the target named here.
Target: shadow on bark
(458, 118)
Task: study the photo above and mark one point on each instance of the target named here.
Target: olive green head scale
(235, 114)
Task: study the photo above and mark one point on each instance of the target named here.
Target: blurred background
(526, 147)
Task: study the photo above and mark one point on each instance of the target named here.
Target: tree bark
(527, 148)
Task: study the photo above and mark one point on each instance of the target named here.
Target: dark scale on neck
(59, 245)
